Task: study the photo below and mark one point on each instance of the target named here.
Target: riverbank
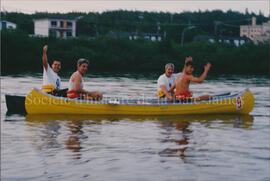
(21, 53)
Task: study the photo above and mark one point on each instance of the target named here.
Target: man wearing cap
(76, 89)
(51, 80)
(166, 80)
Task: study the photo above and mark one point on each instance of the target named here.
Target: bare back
(75, 81)
(76, 76)
(182, 83)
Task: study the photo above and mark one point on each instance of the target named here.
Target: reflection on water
(44, 136)
(201, 147)
(175, 129)
(46, 130)
(96, 119)
(74, 140)
(182, 142)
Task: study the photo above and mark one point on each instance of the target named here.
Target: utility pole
(183, 33)
(96, 29)
(216, 23)
(171, 18)
(96, 26)
(158, 27)
(141, 22)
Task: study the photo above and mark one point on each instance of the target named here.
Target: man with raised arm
(183, 80)
(76, 89)
(166, 80)
(51, 80)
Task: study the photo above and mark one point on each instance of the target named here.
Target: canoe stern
(246, 104)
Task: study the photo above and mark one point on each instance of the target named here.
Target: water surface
(68, 147)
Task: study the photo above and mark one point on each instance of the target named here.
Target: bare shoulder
(76, 76)
(180, 76)
(189, 77)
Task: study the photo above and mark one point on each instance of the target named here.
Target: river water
(174, 148)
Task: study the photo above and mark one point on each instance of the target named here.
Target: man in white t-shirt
(51, 80)
(166, 80)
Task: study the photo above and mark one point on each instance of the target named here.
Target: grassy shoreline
(21, 53)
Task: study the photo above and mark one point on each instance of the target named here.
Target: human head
(169, 68)
(56, 66)
(82, 65)
(189, 68)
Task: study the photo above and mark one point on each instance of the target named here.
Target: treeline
(20, 53)
(93, 24)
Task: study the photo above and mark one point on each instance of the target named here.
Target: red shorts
(183, 95)
(73, 94)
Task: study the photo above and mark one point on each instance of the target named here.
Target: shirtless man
(183, 80)
(76, 83)
(166, 80)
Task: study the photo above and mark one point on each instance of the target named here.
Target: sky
(176, 6)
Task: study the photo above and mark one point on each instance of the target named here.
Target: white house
(57, 27)
(7, 25)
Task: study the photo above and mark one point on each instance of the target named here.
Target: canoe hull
(38, 102)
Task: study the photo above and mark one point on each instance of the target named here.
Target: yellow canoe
(38, 102)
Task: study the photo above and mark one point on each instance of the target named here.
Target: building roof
(8, 22)
(55, 18)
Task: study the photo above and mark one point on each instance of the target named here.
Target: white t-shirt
(51, 78)
(167, 81)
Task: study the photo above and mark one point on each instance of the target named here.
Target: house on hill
(237, 41)
(135, 35)
(7, 25)
(56, 27)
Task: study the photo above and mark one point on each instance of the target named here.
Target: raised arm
(203, 76)
(44, 57)
(188, 59)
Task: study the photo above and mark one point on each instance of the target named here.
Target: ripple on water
(210, 147)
